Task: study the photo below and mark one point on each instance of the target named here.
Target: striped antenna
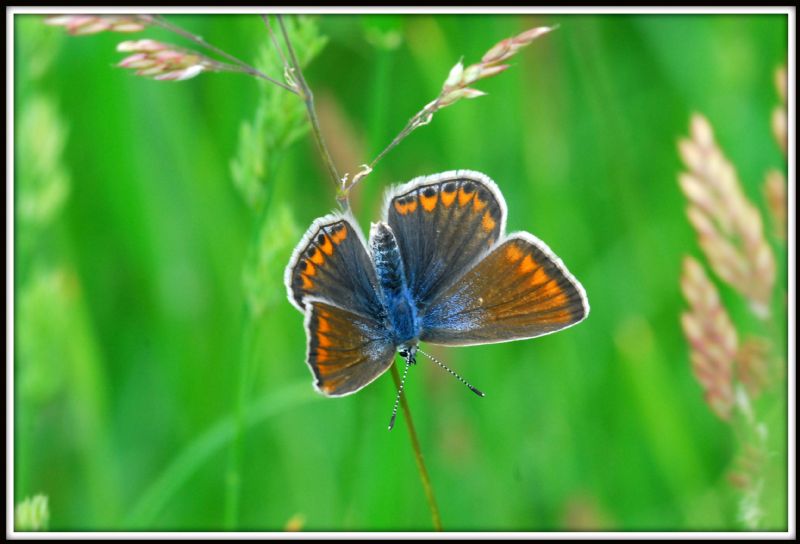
(459, 378)
(400, 392)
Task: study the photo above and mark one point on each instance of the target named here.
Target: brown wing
(331, 263)
(444, 224)
(520, 290)
(346, 351)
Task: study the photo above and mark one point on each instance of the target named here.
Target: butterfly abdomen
(392, 281)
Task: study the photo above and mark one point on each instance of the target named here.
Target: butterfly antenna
(399, 392)
(459, 378)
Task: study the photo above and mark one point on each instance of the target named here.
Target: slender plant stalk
(421, 118)
(233, 478)
(275, 43)
(160, 22)
(250, 322)
(423, 472)
(308, 99)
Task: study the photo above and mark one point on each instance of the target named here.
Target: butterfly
(437, 268)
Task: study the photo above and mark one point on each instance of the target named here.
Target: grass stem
(423, 472)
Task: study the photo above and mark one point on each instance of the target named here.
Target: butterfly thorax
(395, 294)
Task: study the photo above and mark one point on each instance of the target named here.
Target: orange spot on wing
(488, 223)
(322, 356)
(556, 296)
(551, 288)
(540, 277)
(464, 197)
(310, 269)
(527, 265)
(428, 202)
(317, 257)
(560, 299)
(323, 340)
(327, 246)
(339, 234)
(513, 254)
(307, 283)
(448, 198)
(405, 207)
(478, 204)
(323, 325)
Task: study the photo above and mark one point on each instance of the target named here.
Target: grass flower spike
(457, 85)
(712, 336)
(735, 373)
(753, 365)
(727, 223)
(775, 189)
(163, 61)
(780, 115)
(92, 24)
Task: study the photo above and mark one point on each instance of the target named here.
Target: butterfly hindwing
(443, 224)
(346, 351)
(331, 263)
(520, 290)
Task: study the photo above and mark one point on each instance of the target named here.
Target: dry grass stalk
(163, 61)
(752, 365)
(92, 24)
(775, 195)
(713, 338)
(775, 182)
(729, 227)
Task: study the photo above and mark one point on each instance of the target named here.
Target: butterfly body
(438, 268)
(404, 322)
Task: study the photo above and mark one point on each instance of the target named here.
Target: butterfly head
(408, 352)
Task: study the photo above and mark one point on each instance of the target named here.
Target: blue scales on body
(404, 320)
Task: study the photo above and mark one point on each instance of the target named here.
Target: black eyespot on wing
(468, 187)
(449, 187)
(429, 192)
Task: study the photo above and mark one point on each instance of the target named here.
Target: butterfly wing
(331, 263)
(443, 224)
(519, 290)
(346, 351)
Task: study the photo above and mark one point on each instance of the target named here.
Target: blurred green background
(150, 395)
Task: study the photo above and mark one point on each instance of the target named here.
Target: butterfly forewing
(520, 290)
(331, 263)
(346, 351)
(444, 224)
